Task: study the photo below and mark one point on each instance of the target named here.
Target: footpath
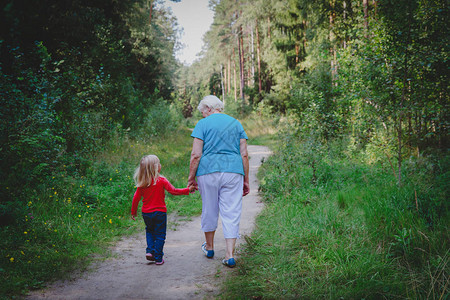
(186, 274)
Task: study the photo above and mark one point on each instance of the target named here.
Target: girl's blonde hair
(148, 171)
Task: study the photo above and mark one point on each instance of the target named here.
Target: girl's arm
(171, 189)
(135, 203)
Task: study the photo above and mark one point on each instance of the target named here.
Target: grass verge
(75, 218)
(346, 230)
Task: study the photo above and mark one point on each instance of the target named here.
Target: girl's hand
(192, 188)
(133, 217)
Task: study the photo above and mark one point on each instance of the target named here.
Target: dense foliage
(357, 195)
(374, 69)
(85, 85)
(72, 74)
(337, 226)
(77, 79)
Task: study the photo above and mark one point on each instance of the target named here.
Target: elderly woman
(219, 160)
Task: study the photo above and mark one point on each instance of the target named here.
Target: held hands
(192, 185)
(192, 188)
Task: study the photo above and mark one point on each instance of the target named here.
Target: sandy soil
(186, 274)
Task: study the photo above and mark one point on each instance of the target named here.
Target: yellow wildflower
(11, 259)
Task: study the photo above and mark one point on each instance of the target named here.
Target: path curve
(187, 273)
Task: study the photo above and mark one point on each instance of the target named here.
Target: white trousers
(221, 193)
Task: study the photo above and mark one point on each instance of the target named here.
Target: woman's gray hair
(211, 102)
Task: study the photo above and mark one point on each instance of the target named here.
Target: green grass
(261, 130)
(352, 235)
(73, 218)
(76, 218)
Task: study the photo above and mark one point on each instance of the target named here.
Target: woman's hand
(133, 217)
(192, 187)
(246, 189)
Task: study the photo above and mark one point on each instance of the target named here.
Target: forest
(86, 86)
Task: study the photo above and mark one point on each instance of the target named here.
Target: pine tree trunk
(222, 84)
(258, 54)
(345, 19)
(225, 81)
(241, 62)
(234, 69)
(229, 74)
(366, 17)
(151, 11)
(332, 42)
(252, 49)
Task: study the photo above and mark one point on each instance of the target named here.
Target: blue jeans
(156, 224)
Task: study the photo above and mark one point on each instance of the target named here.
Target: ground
(186, 274)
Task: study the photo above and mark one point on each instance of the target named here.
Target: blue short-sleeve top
(221, 135)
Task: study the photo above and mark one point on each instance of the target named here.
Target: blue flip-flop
(229, 262)
(208, 253)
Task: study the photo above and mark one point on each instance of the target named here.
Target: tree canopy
(375, 69)
(74, 72)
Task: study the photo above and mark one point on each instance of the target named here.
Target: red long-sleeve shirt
(153, 196)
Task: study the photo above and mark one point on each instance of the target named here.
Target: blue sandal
(208, 253)
(229, 262)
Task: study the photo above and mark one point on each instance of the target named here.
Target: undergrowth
(337, 227)
(74, 216)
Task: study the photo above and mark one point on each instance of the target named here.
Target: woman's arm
(244, 155)
(196, 154)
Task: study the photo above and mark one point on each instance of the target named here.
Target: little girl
(150, 187)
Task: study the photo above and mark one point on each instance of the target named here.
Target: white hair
(211, 102)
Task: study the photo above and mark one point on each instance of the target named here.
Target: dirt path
(187, 273)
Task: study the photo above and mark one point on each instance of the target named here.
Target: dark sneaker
(208, 253)
(160, 262)
(149, 257)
